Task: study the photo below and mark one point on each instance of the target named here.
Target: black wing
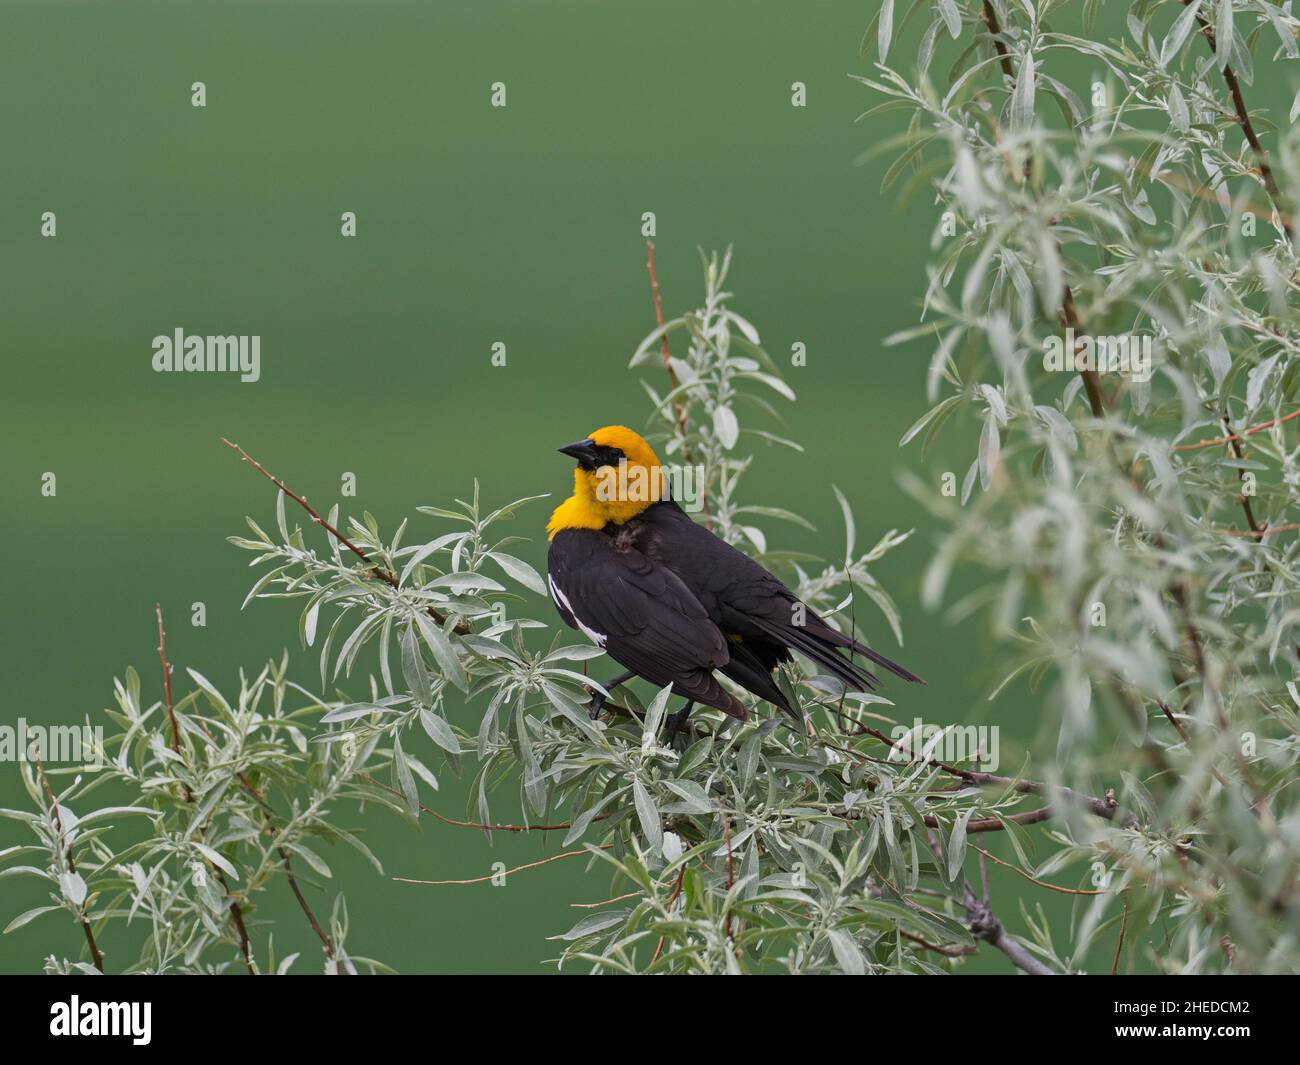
(641, 613)
(748, 601)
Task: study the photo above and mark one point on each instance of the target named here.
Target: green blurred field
(475, 225)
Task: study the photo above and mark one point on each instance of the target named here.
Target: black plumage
(672, 602)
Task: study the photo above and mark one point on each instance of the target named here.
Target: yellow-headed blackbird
(669, 600)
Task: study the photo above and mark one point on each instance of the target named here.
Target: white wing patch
(562, 601)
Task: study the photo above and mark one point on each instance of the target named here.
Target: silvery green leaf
(534, 783)
(348, 713)
(466, 582)
(927, 418)
(439, 731)
(957, 844)
(209, 689)
(593, 923)
(519, 570)
(425, 550)
(695, 800)
(216, 859)
(309, 622)
(1223, 34)
(577, 653)
(725, 426)
(313, 859)
(280, 522)
(1059, 425)
(404, 780)
(1022, 99)
(1256, 378)
(443, 652)
(1178, 34)
(747, 759)
(968, 482)
(885, 29)
(672, 847)
(28, 916)
(73, 887)
(648, 814)
(1178, 108)
(413, 667)
(990, 449)
(951, 17)
(847, 955)
(850, 529)
(654, 716)
(1216, 354)
(1051, 279)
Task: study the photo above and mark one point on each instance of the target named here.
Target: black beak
(582, 450)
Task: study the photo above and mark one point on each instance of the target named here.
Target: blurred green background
(474, 225)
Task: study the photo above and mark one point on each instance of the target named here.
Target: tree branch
(984, 925)
(1248, 128)
(379, 572)
(167, 680)
(96, 955)
(1106, 807)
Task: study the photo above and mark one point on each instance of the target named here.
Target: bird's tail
(853, 646)
(819, 642)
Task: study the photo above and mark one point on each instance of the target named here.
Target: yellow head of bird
(618, 475)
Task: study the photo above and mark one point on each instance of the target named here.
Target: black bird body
(672, 602)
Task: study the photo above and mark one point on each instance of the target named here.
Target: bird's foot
(675, 723)
(597, 704)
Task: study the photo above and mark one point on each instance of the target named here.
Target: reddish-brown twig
(993, 824)
(678, 407)
(507, 872)
(1248, 129)
(1034, 880)
(325, 940)
(167, 680)
(731, 872)
(376, 571)
(1238, 436)
(1261, 534)
(96, 955)
(1119, 947)
(1106, 808)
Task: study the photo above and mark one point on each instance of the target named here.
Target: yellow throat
(612, 493)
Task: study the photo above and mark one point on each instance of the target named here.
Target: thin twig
(678, 406)
(1248, 128)
(1033, 879)
(993, 824)
(731, 873)
(958, 951)
(96, 955)
(1256, 528)
(1238, 436)
(507, 872)
(326, 942)
(237, 914)
(1119, 947)
(990, 17)
(1091, 379)
(376, 571)
(167, 680)
(478, 824)
(984, 925)
(1106, 807)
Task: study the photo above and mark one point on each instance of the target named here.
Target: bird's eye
(607, 456)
